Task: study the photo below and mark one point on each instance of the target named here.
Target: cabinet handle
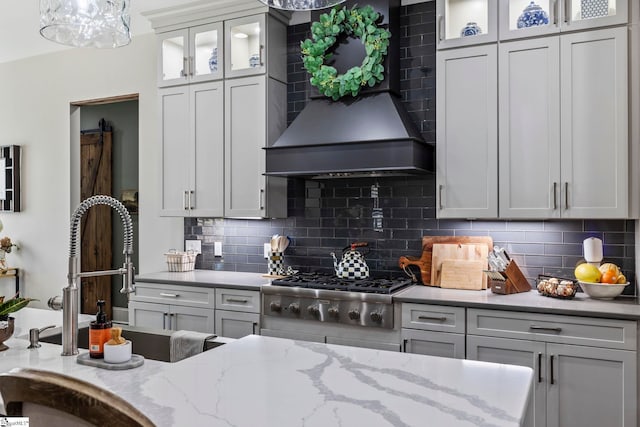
(566, 195)
(163, 294)
(260, 199)
(164, 321)
(539, 367)
(184, 200)
(552, 381)
(191, 66)
(567, 11)
(439, 29)
(404, 345)
(260, 53)
(171, 325)
(555, 196)
(184, 72)
(254, 327)
(191, 205)
(544, 328)
(440, 205)
(243, 301)
(437, 318)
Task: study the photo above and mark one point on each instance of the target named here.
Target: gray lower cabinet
(171, 317)
(433, 330)
(574, 385)
(237, 312)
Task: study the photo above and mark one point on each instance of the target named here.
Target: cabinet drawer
(238, 300)
(609, 333)
(175, 295)
(433, 318)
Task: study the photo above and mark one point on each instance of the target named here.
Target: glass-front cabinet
(191, 55)
(465, 22)
(525, 18)
(245, 46)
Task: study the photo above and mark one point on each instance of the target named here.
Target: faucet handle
(34, 336)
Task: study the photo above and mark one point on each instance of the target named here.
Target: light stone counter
(264, 381)
(208, 278)
(580, 305)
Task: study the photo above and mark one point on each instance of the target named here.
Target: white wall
(35, 112)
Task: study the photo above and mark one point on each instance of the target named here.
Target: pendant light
(301, 4)
(86, 23)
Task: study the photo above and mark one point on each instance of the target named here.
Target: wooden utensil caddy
(514, 281)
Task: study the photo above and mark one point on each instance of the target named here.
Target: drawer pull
(254, 327)
(243, 301)
(437, 318)
(404, 345)
(551, 361)
(163, 294)
(544, 328)
(539, 367)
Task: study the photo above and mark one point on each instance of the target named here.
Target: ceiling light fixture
(240, 35)
(301, 4)
(86, 23)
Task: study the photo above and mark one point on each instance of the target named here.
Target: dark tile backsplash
(327, 215)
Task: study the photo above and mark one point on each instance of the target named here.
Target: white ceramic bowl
(117, 353)
(602, 290)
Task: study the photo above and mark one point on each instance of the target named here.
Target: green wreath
(357, 22)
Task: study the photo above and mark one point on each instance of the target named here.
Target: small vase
(533, 16)
(471, 29)
(6, 330)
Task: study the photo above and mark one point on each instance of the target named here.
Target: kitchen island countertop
(533, 302)
(278, 382)
(207, 278)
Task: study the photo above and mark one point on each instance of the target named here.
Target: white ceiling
(19, 27)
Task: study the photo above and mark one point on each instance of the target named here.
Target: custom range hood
(369, 135)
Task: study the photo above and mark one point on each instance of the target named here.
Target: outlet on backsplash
(193, 245)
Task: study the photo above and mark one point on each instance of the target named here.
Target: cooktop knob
(334, 312)
(376, 316)
(275, 306)
(294, 307)
(314, 310)
(354, 314)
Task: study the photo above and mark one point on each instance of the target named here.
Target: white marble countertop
(278, 382)
(208, 278)
(580, 305)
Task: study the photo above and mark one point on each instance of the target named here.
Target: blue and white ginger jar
(213, 60)
(254, 61)
(533, 16)
(471, 29)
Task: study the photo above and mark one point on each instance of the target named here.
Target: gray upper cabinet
(192, 141)
(466, 22)
(467, 134)
(190, 55)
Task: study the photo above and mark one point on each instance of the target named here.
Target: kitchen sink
(151, 343)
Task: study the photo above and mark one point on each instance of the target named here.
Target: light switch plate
(266, 250)
(217, 248)
(193, 245)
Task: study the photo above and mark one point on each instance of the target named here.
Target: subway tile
(563, 249)
(579, 237)
(563, 225)
(543, 237)
(604, 225)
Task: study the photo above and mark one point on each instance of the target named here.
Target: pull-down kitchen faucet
(70, 300)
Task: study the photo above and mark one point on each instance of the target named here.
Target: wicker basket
(181, 261)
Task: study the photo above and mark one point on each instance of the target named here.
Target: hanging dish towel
(183, 344)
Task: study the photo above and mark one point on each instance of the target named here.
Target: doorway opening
(105, 150)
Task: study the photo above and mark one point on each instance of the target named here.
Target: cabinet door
(529, 111)
(594, 124)
(206, 51)
(206, 196)
(245, 137)
(440, 344)
(245, 47)
(520, 18)
(233, 324)
(176, 150)
(173, 57)
(590, 386)
(522, 353)
(192, 319)
(588, 14)
(466, 22)
(467, 139)
(148, 315)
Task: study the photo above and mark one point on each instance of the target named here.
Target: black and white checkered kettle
(352, 265)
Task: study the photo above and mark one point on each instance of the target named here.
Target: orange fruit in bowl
(609, 276)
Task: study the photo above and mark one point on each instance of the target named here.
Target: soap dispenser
(99, 333)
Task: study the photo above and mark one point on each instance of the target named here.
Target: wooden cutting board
(423, 262)
(466, 252)
(463, 274)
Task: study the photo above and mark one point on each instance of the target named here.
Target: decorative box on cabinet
(546, 164)
(192, 140)
(433, 330)
(584, 368)
(466, 131)
(190, 55)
